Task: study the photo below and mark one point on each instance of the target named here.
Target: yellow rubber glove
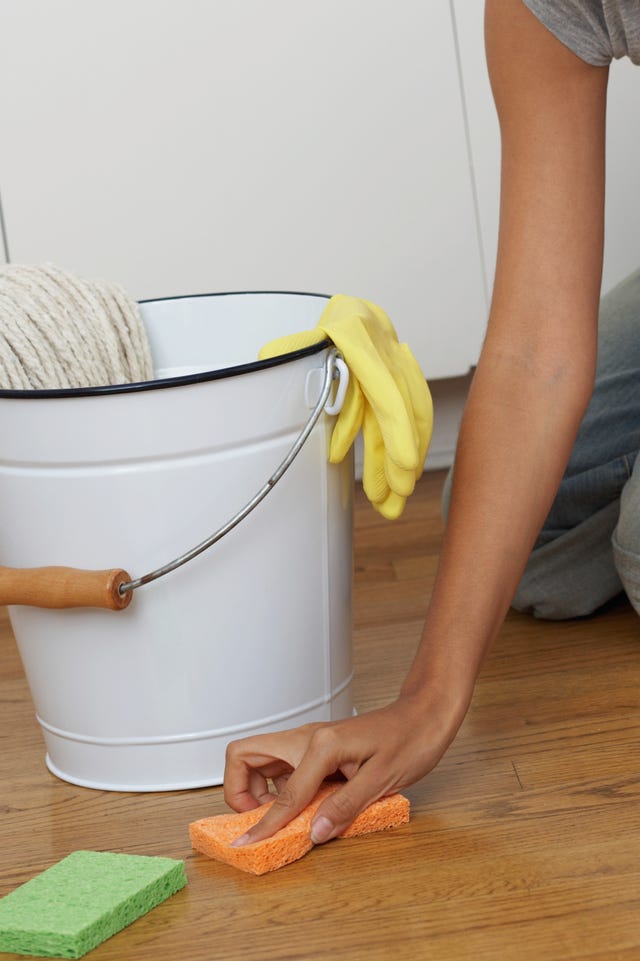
(387, 397)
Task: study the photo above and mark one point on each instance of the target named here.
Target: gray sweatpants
(588, 550)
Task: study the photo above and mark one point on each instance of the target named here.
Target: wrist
(439, 677)
(433, 701)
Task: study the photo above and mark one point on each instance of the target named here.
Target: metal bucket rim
(186, 379)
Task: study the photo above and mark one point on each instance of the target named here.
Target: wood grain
(524, 843)
(60, 587)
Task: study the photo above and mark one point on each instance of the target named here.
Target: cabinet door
(622, 232)
(205, 146)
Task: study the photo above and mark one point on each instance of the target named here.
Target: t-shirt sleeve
(579, 24)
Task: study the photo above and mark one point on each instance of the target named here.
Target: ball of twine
(60, 331)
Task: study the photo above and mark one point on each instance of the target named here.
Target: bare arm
(535, 373)
(529, 393)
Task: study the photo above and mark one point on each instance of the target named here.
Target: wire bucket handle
(63, 587)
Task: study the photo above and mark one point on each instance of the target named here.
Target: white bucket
(254, 634)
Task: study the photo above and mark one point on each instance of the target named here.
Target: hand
(378, 753)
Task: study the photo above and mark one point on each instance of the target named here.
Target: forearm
(535, 374)
(516, 436)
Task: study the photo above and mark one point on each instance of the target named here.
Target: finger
(280, 782)
(341, 808)
(259, 788)
(321, 759)
(251, 761)
(374, 480)
(247, 788)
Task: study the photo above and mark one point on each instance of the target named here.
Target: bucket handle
(63, 587)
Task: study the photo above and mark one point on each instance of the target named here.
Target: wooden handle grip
(60, 587)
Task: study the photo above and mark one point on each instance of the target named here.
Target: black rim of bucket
(202, 377)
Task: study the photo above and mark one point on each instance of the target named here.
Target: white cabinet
(192, 146)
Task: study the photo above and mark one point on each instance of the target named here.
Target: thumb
(341, 808)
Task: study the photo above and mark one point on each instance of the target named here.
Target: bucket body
(253, 635)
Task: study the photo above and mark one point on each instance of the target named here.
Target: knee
(553, 600)
(573, 574)
(626, 539)
(628, 567)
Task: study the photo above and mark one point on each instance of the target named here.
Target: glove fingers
(392, 507)
(398, 479)
(419, 412)
(380, 389)
(374, 479)
(420, 399)
(411, 456)
(397, 424)
(389, 374)
(381, 475)
(395, 392)
(348, 423)
(383, 481)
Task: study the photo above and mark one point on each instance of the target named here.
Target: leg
(626, 538)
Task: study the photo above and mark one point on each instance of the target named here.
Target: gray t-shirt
(598, 31)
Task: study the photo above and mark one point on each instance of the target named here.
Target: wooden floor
(524, 844)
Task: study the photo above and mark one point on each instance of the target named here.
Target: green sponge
(84, 899)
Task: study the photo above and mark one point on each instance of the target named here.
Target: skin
(531, 388)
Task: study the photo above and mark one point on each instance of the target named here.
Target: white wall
(196, 146)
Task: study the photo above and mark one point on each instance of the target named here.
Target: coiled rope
(60, 331)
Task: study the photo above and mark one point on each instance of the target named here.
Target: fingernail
(239, 842)
(321, 830)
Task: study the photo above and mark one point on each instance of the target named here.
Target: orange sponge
(213, 836)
